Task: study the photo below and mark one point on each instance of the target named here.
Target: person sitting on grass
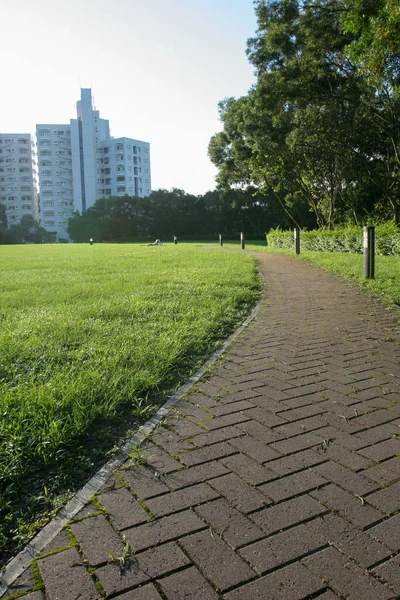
(156, 243)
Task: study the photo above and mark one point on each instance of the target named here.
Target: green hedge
(342, 239)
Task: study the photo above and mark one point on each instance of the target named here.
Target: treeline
(165, 214)
(28, 230)
(320, 128)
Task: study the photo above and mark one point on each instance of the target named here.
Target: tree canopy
(319, 129)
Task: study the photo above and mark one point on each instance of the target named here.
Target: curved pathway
(276, 477)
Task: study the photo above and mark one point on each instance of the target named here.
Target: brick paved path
(277, 478)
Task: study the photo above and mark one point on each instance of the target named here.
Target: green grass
(386, 283)
(92, 339)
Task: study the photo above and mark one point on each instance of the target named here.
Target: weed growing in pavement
(92, 339)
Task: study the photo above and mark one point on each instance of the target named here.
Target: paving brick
(336, 453)
(377, 418)
(231, 525)
(260, 432)
(243, 395)
(147, 592)
(218, 435)
(216, 560)
(385, 472)
(122, 509)
(388, 532)
(56, 570)
(24, 583)
(302, 426)
(170, 441)
(296, 443)
(163, 530)
(192, 412)
(143, 482)
(230, 419)
(200, 400)
(181, 499)
(254, 448)
(272, 400)
(265, 416)
(389, 573)
(187, 585)
(288, 487)
(294, 582)
(349, 540)
(344, 577)
(386, 499)
(350, 481)
(281, 516)
(184, 427)
(190, 476)
(97, 539)
(268, 554)
(142, 567)
(341, 438)
(34, 596)
(302, 412)
(159, 459)
(382, 450)
(296, 462)
(377, 434)
(225, 409)
(237, 492)
(299, 401)
(248, 469)
(207, 453)
(347, 506)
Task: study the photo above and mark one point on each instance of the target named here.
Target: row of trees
(27, 230)
(320, 129)
(165, 213)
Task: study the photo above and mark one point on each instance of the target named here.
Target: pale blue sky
(157, 69)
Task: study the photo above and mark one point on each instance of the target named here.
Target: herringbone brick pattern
(277, 477)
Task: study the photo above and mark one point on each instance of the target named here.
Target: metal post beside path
(369, 252)
(296, 240)
(242, 244)
(220, 239)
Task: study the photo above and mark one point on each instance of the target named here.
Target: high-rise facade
(80, 163)
(18, 176)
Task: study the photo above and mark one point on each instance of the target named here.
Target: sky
(157, 69)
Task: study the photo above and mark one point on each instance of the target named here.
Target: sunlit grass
(92, 338)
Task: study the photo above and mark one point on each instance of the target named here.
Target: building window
(44, 132)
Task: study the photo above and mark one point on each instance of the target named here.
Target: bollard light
(369, 252)
(296, 240)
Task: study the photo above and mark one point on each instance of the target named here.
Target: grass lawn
(92, 339)
(386, 283)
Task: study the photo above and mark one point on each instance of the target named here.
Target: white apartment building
(80, 163)
(55, 176)
(18, 176)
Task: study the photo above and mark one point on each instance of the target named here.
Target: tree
(314, 130)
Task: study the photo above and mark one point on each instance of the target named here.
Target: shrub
(341, 239)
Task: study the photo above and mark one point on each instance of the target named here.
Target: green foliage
(342, 239)
(165, 214)
(319, 129)
(92, 339)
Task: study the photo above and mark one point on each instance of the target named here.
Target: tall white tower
(88, 131)
(80, 163)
